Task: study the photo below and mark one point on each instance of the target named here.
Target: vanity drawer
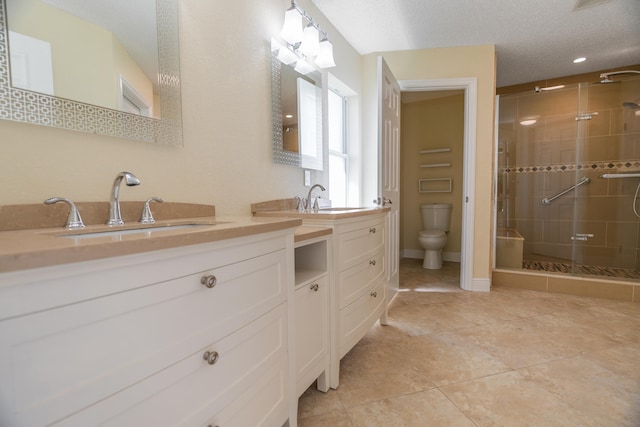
(358, 280)
(357, 318)
(359, 244)
(266, 398)
(193, 391)
(57, 362)
(36, 290)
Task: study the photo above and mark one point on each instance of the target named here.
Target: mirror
(296, 115)
(109, 89)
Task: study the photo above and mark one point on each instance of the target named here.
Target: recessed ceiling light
(529, 120)
(289, 116)
(579, 60)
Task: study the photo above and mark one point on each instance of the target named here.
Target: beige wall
(226, 93)
(431, 124)
(226, 159)
(459, 62)
(90, 48)
(126, 66)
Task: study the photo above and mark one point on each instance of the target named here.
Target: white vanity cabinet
(193, 336)
(357, 279)
(311, 320)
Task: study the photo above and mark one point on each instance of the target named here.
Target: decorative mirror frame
(280, 155)
(31, 107)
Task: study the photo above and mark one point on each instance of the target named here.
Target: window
(338, 157)
(131, 101)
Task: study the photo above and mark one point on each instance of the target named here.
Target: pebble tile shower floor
(509, 357)
(560, 267)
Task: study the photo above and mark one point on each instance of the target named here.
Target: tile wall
(542, 160)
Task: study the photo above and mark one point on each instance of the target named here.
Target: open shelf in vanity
(310, 261)
(312, 315)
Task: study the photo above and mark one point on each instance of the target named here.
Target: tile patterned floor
(510, 357)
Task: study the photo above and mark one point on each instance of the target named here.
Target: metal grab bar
(620, 175)
(547, 200)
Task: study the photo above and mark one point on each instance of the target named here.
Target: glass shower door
(606, 231)
(553, 197)
(583, 233)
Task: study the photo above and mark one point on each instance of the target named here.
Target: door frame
(470, 87)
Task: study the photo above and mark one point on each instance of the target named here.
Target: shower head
(607, 80)
(631, 105)
(605, 76)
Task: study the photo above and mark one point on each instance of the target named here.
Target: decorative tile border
(607, 165)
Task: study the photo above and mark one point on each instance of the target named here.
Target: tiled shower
(557, 145)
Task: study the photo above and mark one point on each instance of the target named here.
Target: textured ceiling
(534, 39)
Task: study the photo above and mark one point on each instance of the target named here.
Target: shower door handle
(581, 236)
(586, 116)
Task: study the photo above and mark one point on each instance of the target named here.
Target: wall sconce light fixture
(305, 44)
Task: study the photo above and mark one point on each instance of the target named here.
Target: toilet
(436, 220)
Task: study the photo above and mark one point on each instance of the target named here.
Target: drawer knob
(372, 230)
(211, 357)
(209, 281)
(372, 262)
(374, 294)
(315, 287)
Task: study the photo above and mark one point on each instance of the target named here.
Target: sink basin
(341, 209)
(143, 230)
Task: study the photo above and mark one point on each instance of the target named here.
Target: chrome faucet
(114, 204)
(74, 220)
(146, 217)
(313, 206)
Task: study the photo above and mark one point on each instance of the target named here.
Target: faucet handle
(74, 220)
(146, 217)
(302, 205)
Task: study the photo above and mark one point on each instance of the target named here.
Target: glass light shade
(275, 44)
(292, 28)
(310, 41)
(286, 56)
(303, 67)
(325, 55)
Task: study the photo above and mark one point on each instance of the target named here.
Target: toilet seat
(432, 233)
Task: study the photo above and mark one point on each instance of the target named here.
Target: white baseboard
(412, 253)
(451, 256)
(419, 254)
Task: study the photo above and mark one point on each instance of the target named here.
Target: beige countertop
(27, 244)
(305, 233)
(40, 247)
(327, 213)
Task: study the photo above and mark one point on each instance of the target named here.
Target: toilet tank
(436, 216)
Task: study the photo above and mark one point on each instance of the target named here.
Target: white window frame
(344, 154)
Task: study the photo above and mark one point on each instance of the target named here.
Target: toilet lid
(432, 233)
